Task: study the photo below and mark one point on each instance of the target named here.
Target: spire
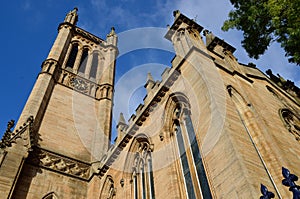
(72, 16)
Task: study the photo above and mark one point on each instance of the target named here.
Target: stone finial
(111, 37)
(72, 16)
(5, 141)
(176, 14)
(112, 32)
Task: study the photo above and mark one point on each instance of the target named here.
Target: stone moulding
(85, 86)
(88, 35)
(24, 132)
(58, 163)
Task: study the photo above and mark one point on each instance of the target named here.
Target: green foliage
(265, 21)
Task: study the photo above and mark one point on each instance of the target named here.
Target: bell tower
(70, 113)
(72, 98)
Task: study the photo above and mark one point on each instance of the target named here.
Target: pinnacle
(112, 32)
(121, 119)
(149, 77)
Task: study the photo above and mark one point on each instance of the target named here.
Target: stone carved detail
(5, 141)
(72, 16)
(88, 35)
(62, 164)
(85, 86)
(144, 149)
(79, 84)
(10, 137)
(292, 123)
(49, 66)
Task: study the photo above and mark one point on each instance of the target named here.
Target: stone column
(88, 65)
(78, 59)
(67, 56)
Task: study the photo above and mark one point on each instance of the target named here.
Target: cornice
(58, 163)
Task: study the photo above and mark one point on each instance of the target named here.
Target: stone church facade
(211, 128)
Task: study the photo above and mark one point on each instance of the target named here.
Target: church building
(210, 128)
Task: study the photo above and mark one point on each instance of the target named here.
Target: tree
(266, 21)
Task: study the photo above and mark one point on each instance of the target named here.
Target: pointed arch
(83, 60)
(138, 167)
(237, 98)
(108, 189)
(96, 64)
(135, 147)
(50, 195)
(174, 100)
(291, 122)
(72, 55)
(178, 122)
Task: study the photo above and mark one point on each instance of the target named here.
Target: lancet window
(72, 56)
(83, 61)
(191, 163)
(108, 190)
(95, 63)
(142, 174)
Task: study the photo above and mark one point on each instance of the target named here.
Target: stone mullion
(88, 65)
(67, 56)
(77, 61)
(100, 71)
(189, 153)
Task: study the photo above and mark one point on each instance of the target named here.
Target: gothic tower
(210, 128)
(69, 111)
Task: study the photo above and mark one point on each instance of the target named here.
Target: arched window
(72, 56)
(83, 61)
(50, 196)
(188, 146)
(108, 190)
(292, 122)
(95, 63)
(138, 168)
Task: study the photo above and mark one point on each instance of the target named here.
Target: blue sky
(29, 27)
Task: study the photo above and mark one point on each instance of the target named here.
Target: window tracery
(191, 162)
(292, 122)
(108, 190)
(142, 173)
